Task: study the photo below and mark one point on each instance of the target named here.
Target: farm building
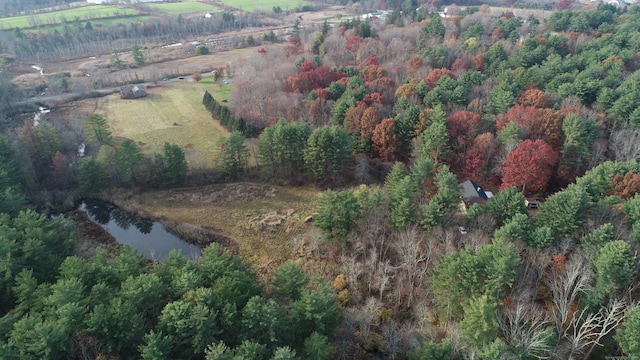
(132, 92)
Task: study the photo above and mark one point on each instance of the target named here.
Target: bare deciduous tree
(565, 286)
(586, 330)
(625, 144)
(525, 329)
(414, 257)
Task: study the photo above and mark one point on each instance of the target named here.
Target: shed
(132, 92)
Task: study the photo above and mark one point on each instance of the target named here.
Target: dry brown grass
(267, 222)
(171, 113)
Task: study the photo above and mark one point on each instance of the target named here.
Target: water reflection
(145, 236)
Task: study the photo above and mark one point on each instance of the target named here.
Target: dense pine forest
(480, 174)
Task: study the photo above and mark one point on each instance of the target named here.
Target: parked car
(181, 78)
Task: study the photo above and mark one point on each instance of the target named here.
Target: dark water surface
(146, 236)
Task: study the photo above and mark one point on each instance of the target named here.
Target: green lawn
(170, 113)
(84, 13)
(251, 5)
(182, 7)
(216, 89)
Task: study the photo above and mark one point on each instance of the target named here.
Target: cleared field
(252, 5)
(218, 90)
(169, 113)
(267, 221)
(84, 13)
(181, 7)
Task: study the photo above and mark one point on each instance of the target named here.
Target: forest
(389, 117)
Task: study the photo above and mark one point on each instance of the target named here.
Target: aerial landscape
(280, 179)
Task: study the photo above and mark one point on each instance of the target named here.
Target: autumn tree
(462, 126)
(196, 76)
(385, 139)
(530, 166)
(60, 169)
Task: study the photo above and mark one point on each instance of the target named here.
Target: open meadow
(184, 7)
(171, 112)
(268, 222)
(253, 5)
(83, 13)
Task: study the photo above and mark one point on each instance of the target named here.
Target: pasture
(268, 5)
(181, 7)
(83, 13)
(173, 113)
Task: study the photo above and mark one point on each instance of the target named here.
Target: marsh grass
(265, 221)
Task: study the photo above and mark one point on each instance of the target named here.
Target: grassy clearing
(181, 7)
(218, 90)
(84, 13)
(149, 121)
(265, 220)
(251, 5)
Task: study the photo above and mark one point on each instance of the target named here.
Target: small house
(473, 193)
(209, 15)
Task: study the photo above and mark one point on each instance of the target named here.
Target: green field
(84, 13)
(170, 113)
(216, 90)
(251, 5)
(182, 7)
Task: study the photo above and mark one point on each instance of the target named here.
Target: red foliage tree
(385, 140)
(306, 81)
(497, 34)
(530, 166)
(527, 117)
(474, 162)
(306, 66)
(294, 47)
(354, 42)
(435, 75)
(370, 60)
(462, 125)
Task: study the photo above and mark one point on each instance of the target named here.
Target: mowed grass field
(251, 5)
(266, 221)
(84, 13)
(184, 7)
(172, 112)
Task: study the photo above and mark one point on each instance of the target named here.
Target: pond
(148, 237)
